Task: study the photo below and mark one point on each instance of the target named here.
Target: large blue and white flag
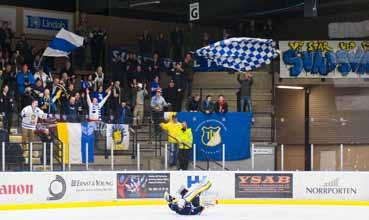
(63, 44)
(241, 54)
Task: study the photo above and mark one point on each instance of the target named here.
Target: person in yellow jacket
(185, 140)
(172, 127)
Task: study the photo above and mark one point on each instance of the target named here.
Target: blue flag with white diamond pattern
(241, 54)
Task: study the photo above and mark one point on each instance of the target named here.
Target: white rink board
(331, 186)
(84, 186)
(222, 182)
(57, 187)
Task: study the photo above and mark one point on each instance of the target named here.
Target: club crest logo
(211, 136)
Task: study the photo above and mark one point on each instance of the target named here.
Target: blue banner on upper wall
(210, 132)
(324, 59)
(118, 56)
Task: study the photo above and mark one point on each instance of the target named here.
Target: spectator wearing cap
(24, 79)
(154, 85)
(138, 112)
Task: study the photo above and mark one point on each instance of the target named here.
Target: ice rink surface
(219, 212)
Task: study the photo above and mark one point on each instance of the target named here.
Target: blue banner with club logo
(210, 132)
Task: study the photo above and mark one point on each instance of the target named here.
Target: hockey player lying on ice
(189, 201)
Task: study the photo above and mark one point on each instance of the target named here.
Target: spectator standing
(154, 85)
(145, 43)
(99, 77)
(1, 79)
(30, 115)
(189, 39)
(157, 104)
(41, 75)
(123, 114)
(94, 107)
(188, 72)
(207, 106)
(177, 44)
(46, 104)
(97, 44)
(88, 83)
(115, 100)
(72, 110)
(68, 69)
(170, 94)
(80, 52)
(221, 106)
(180, 84)
(161, 46)
(185, 139)
(6, 37)
(24, 79)
(172, 127)
(138, 112)
(10, 78)
(245, 91)
(6, 107)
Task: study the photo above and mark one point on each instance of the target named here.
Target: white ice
(219, 212)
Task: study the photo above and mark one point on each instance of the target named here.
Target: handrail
(206, 156)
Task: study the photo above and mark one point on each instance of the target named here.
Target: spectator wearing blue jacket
(124, 114)
(24, 79)
(154, 86)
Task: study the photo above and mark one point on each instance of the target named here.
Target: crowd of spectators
(121, 97)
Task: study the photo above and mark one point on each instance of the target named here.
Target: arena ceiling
(211, 11)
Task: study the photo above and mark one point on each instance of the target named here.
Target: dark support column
(307, 130)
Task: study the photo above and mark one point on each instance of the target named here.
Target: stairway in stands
(216, 83)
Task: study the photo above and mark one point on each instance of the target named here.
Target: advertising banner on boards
(142, 185)
(263, 185)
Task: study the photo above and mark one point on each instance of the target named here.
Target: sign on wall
(117, 136)
(9, 15)
(46, 23)
(324, 59)
(56, 187)
(222, 182)
(142, 185)
(194, 11)
(331, 186)
(118, 56)
(263, 185)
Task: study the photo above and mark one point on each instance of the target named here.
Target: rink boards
(34, 190)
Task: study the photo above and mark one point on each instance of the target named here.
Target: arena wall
(88, 189)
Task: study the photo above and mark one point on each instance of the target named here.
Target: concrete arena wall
(91, 189)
